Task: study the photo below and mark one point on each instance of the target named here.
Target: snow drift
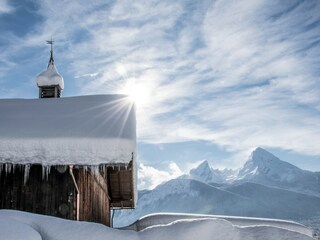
(15, 225)
(167, 218)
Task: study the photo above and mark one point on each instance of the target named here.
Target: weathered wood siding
(120, 182)
(56, 196)
(94, 200)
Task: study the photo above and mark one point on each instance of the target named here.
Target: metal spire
(51, 61)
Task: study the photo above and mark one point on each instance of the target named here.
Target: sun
(138, 89)
(137, 92)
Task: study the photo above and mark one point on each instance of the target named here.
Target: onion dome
(50, 77)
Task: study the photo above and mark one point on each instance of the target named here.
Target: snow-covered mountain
(205, 173)
(264, 187)
(264, 168)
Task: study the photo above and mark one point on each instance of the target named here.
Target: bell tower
(50, 82)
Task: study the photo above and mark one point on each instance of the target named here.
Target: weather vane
(51, 52)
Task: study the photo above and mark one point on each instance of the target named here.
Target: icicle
(97, 171)
(48, 168)
(26, 173)
(13, 167)
(94, 170)
(45, 172)
(1, 168)
(8, 168)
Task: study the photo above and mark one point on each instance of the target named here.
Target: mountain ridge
(264, 168)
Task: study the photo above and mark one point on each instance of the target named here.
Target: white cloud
(5, 7)
(150, 177)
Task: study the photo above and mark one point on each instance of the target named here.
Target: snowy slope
(251, 200)
(19, 225)
(264, 168)
(277, 202)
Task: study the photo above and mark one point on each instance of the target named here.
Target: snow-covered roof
(50, 77)
(85, 130)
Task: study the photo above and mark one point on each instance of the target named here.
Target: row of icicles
(9, 168)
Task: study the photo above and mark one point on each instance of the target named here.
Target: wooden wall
(57, 195)
(94, 197)
(120, 182)
(54, 196)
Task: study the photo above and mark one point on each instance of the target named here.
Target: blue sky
(213, 79)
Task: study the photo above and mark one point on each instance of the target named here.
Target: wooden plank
(57, 196)
(94, 195)
(37, 195)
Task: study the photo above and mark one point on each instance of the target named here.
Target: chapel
(69, 157)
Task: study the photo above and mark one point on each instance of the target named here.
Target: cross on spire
(51, 61)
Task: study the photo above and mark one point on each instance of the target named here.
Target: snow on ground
(16, 225)
(12, 229)
(167, 218)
